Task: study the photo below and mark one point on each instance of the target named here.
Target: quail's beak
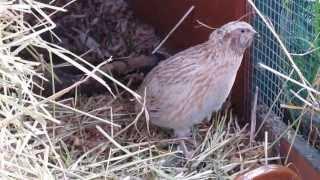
(255, 33)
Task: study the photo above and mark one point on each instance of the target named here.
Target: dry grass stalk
(254, 116)
(173, 29)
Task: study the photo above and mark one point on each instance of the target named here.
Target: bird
(184, 89)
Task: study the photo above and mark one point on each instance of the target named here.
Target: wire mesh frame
(292, 20)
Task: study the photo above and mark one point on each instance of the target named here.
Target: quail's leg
(184, 133)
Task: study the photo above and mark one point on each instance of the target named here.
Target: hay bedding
(103, 28)
(222, 148)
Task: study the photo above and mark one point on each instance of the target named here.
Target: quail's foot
(184, 133)
(187, 153)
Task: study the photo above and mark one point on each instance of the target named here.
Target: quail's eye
(242, 30)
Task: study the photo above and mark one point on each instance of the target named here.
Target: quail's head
(237, 34)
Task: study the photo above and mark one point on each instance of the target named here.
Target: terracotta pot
(269, 172)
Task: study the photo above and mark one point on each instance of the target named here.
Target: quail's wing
(169, 83)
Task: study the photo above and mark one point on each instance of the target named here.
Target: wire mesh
(294, 21)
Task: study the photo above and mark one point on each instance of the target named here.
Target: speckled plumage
(184, 89)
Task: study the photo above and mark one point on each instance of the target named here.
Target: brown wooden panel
(164, 14)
